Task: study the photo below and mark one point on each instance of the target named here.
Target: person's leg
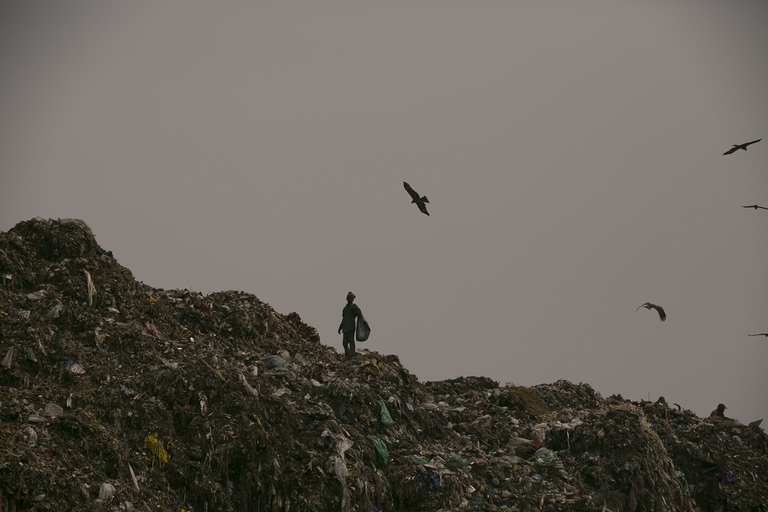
(349, 343)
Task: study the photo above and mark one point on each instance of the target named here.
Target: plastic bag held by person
(363, 330)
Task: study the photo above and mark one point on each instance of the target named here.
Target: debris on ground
(118, 396)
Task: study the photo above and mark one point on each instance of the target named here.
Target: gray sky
(571, 151)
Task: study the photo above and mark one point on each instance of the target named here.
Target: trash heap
(118, 396)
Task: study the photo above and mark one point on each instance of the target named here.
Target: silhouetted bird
(759, 334)
(416, 199)
(737, 147)
(719, 412)
(755, 206)
(659, 309)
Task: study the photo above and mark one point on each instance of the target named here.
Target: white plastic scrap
(575, 422)
(8, 359)
(76, 368)
(53, 410)
(106, 492)
(55, 311)
(32, 437)
(337, 464)
(248, 387)
(38, 295)
(91, 288)
(539, 431)
(99, 336)
(282, 391)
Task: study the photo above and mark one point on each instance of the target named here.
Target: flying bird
(416, 199)
(737, 147)
(659, 309)
(759, 334)
(755, 206)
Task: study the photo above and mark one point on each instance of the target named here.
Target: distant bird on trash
(755, 206)
(759, 334)
(659, 309)
(737, 147)
(719, 412)
(416, 199)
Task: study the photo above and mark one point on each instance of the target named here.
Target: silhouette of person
(348, 316)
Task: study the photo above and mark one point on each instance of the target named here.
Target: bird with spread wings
(755, 206)
(659, 309)
(737, 147)
(416, 199)
(759, 334)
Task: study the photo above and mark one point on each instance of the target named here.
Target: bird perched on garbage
(659, 309)
(755, 206)
(719, 412)
(416, 199)
(737, 147)
(759, 334)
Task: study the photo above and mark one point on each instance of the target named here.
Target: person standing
(348, 316)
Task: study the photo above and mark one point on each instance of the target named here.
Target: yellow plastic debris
(157, 449)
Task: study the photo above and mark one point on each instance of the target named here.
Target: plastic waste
(385, 417)
(38, 295)
(248, 387)
(91, 287)
(31, 437)
(547, 458)
(363, 330)
(275, 362)
(52, 410)
(8, 359)
(55, 311)
(106, 492)
(381, 449)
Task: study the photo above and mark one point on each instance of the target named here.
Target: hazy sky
(571, 151)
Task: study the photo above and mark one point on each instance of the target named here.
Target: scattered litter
(194, 425)
(106, 492)
(38, 295)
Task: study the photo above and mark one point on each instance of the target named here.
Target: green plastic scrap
(386, 419)
(546, 457)
(459, 462)
(681, 476)
(420, 460)
(381, 448)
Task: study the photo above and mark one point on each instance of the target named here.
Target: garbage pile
(118, 396)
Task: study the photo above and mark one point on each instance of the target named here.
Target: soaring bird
(759, 334)
(755, 206)
(737, 147)
(659, 309)
(416, 199)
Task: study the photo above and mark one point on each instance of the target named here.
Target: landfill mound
(118, 396)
